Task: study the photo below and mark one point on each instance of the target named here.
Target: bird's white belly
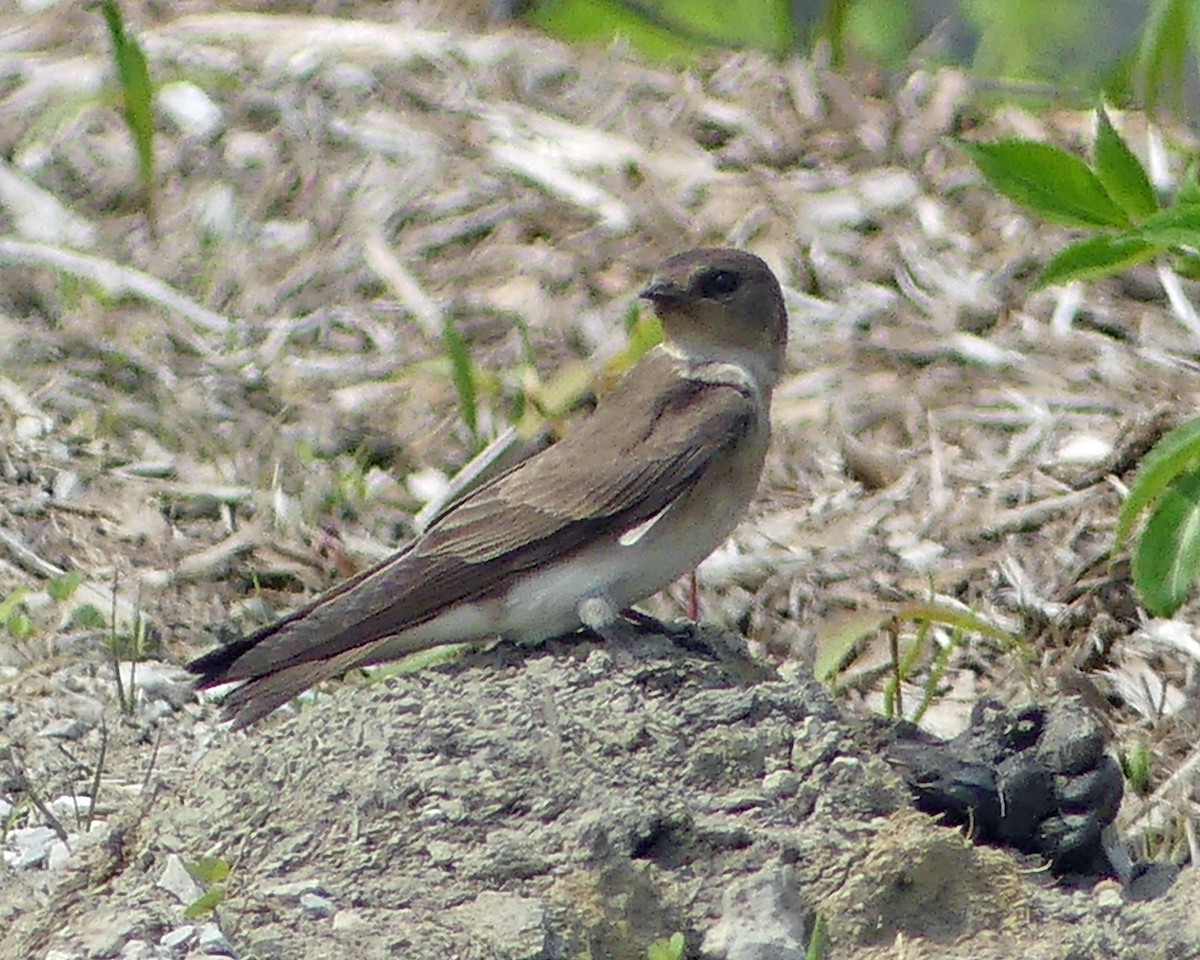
(545, 602)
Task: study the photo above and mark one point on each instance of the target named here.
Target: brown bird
(642, 491)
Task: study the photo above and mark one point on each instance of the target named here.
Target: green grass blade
(677, 31)
(133, 74)
(462, 374)
(1168, 554)
(1095, 257)
(950, 616)
(1049, 181)
(205, 904)
(1162, 50)
(839, 642)
(1121, 172)
(1174, 455)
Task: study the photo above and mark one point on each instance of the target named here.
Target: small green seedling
(667, 949)
(841, 642)
(214, 873)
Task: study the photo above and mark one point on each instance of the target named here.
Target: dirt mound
(579, 801)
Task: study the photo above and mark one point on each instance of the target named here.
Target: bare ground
(262, 397)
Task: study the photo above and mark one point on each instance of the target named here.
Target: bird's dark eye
(717, 283)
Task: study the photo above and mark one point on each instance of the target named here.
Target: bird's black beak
(660, 290)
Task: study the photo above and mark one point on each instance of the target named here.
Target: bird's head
(722, 305)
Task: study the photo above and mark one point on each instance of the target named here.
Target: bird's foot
(626, 626)
(685, 634)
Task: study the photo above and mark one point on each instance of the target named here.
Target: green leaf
(1136, 765)
(1178, 226)
(462, 374)
(1047, 180)
(818, 942)
(11, 604)
(645, 333)
(19, 626)
(87, 616)
(837, 644)
(1168, 553)
(204, 904)
(1095, 257)
(1121, 172)
(671, 31)
(1189, 189)
(61, 588)
(1187, 266)
(1162, 51)
(134, 77)
(666, 949)
(1173, 456)
(951, 616)
(210, 869)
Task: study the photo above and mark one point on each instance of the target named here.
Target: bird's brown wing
(660, 430)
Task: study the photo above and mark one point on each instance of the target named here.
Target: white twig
(31, 421)
(114, 279)
(1184, 312)
(1066, 305)
(1157, 161)
(26, 559)
(403, 284)
(39, 214)
(543, 172)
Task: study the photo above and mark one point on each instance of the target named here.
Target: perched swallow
(637, 495)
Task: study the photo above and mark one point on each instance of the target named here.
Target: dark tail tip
(211, 668)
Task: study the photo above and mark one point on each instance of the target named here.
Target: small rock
(177, 939)
(1083, 449)
(63, 955)
(1108, 896)
(70, 806)
(28, 847)
(67, 485)
(762, 918)
(433, 814)
(104, 932)
(218, 212)
(151, 713)
(287, 236)
(37, 6)
(427, 485)
(598, 664)
(506, 926)
(190, 109)
(138, 950)
(350, 77)
(348, 920)
(157, 680)
(295, 889)
(318, 908)
(213, 942)
(440, 853)
(65, 728)
(178, 882)
(59, 853)
(245, 149)
(780, 783)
